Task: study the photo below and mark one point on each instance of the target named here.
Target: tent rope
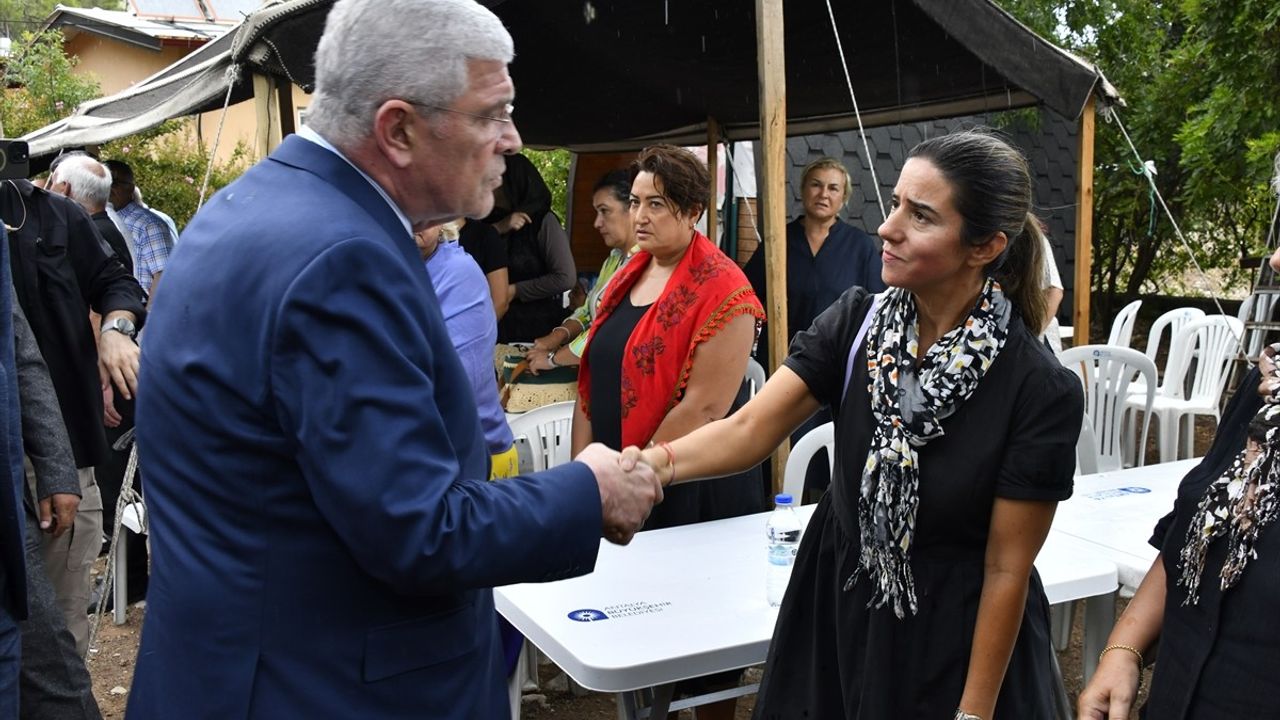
(233, 74)
(127, 497)
(1149, 171)
(862, 132)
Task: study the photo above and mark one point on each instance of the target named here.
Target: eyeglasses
(505, 117)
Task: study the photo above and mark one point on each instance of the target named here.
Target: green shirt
(585, 314)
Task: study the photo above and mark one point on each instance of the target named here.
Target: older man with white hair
(88, 182)
(324, 537)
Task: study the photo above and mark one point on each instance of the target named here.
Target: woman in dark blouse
(825, 257)
(1210, 597)
(540, 264)
(668, 348)
(913, 594)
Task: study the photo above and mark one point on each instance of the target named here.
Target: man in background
(152, 241)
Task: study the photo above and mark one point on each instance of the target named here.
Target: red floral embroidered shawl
(704, 292)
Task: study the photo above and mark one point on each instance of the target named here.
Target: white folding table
(690, 601)
(1114, 512)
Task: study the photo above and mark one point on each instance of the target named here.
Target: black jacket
(111, 233)
(60, 271)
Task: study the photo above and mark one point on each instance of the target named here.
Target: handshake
(629, 488)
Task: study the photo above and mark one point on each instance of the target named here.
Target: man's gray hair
(88, 181)
(375, 50)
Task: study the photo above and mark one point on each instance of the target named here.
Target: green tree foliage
(169, 166)
(40, 87)
(553, 165)
(1200, 80)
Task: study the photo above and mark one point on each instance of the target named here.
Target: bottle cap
(782, 499)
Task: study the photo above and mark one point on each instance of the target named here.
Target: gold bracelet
(1130, 648)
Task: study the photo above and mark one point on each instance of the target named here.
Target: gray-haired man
(324, 535)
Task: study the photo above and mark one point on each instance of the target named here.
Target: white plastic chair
(823, 436)
(755, 376)
(1257, 308)
(546, 430)
(1173, 321)
(1213, 341)
(1107, 373)
(1086, 450)
(1122, 326)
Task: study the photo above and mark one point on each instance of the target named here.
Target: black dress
(685, 503)
(1218, 659)
(832, 656)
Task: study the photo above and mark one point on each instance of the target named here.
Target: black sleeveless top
(683, 504)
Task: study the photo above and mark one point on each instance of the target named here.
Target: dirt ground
(111, 665)
(111, 660)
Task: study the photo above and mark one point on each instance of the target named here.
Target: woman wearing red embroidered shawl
(668, 350)
(913, 593)
(669, 347)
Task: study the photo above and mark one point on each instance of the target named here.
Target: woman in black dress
(1210, 596)
(913, 593)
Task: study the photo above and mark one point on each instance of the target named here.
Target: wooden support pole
(1084, 227)
(267, 110)
(284, 98)
(773, 188)
(713, 167)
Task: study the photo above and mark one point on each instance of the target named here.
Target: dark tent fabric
(619, 74)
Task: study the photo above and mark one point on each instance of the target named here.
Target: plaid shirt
(152, 241)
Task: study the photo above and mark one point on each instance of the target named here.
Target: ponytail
(1021, 275)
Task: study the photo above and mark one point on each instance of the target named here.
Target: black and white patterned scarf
(909, 404)
(1240, 505)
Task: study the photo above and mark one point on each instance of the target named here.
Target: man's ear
(396, 133)
(985, 254)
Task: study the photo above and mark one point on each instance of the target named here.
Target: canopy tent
(602, 75)
(616, 74)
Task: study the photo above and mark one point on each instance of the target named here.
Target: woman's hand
(539, 360)
(512, 222)
(1267, 368)
(1111, 692)
(545, 344)
(654, 457)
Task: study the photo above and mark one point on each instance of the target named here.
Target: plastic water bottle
(783, 533)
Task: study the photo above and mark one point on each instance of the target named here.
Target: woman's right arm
(498, 291)
(739, 441)
(1114, 688)
(580, 436)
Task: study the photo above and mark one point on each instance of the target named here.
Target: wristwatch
(121, 325)
(551, 359)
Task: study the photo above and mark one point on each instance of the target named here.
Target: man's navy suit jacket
(324, 536)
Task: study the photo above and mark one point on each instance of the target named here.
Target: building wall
(1051, 145)
(118, 65)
